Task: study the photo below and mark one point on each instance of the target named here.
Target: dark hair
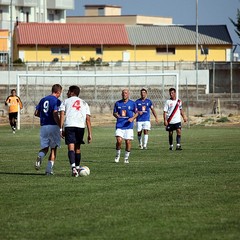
(13, 90)
(56, 88)
(172, 89)
(143, 90)
(74, 89)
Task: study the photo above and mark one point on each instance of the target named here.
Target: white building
(43, 11)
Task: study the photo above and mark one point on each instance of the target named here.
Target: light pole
(197, 48)
(11, 34)
(10, 46)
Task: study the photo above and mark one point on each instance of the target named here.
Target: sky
(210, 12)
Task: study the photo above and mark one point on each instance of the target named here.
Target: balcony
(64, 4)
(24, 3)
(5, 2)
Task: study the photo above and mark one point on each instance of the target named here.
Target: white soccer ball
(84, 171)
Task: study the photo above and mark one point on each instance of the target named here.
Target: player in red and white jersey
(172, 118)
(74, 117)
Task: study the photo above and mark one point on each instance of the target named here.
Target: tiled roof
(178, 35)
(71, 33)
(119, 34)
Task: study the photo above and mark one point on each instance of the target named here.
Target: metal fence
(211, 80)
(224, 77)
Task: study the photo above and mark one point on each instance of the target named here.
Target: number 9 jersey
(46, 107)
(75, 110)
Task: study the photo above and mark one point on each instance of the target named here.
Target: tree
(237, 24)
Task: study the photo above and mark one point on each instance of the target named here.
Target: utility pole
(197, 48)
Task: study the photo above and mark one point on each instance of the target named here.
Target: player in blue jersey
(125, 111)
(144, 105)
(50, 137)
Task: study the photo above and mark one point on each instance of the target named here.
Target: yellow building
(4, 46)
(35, 42)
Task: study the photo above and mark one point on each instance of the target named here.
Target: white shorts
(143, 126)
(50, 136)
(126, 134)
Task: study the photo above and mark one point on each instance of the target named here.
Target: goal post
(99, 90)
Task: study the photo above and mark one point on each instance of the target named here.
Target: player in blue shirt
(144, 105)
(47, 111)
(125, 111)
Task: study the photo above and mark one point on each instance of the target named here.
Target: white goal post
(99, 90)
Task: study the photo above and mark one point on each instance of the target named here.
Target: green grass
(189, 194)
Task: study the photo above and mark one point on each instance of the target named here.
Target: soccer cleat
(145, 147)
(78, 170)
(117, 159)
(179, 148)
(14, 130)
(49, 173)
(171, 148)
(126, 160)
(75, 172)
(38, 163)
(140, 146)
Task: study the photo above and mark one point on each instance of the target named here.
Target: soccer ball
(84, 171)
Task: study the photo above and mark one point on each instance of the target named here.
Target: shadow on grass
(23, 174)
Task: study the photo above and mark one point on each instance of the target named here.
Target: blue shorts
(172, 127)
(50, 136)
(74, 135)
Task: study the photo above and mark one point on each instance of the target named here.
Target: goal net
(100, 91)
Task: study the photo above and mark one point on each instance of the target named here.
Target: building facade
(37, 42)
(43, 11)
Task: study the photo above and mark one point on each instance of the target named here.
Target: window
(204, 50)
(99, 51)
(165, 50)
(60, 50)
(101, 12)
(51, 17)
(27, 17)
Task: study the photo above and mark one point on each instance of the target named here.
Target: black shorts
(172, 127)
(13, 115)
(74, 135)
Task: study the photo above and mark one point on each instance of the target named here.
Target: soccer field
(160, 194)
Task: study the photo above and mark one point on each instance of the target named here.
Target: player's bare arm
(183, 116)
(56, 118)
(37, 113)
(154, 114)
(133, 118)
(89, 128)
(115, 114)
(62, 116)
(165, 118)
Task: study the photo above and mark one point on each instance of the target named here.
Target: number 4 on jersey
(77, 105)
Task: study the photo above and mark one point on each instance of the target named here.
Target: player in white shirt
(74, 117)
(172, 118)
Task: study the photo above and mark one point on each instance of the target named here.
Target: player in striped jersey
(172, 113)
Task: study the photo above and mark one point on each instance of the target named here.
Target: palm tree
(237, 24)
